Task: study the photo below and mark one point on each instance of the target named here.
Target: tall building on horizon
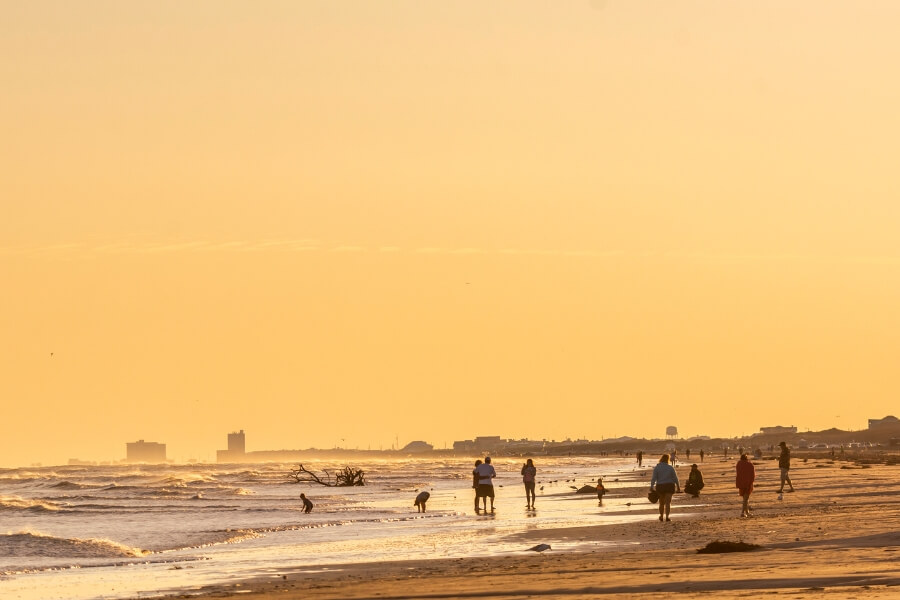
(237, 442)
(237, 448)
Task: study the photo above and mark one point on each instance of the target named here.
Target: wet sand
(838, 536)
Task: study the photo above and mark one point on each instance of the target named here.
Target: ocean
(129, 531)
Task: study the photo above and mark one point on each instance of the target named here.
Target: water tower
(671, 432)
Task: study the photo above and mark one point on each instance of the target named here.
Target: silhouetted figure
(687, 453)
(475, 483)
(784, 463)
(486, 474)
(694, 482)
(529, 472)
(640, 458)
(702, 453)
(421, 499)
(674, 457)
(307, 504)
(601, 489)
(665, 482)
(745, 476)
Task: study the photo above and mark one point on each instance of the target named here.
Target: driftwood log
(346, 477)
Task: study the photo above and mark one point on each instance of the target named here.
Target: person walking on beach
(421, 499)
(486, 474)
(601, 489)
(529, 472)
(784, 463)
(475, 483)
(640, 458)
(695, 482)
(745, 476)
(307, 503)
(702, 453)
(674, 457)
(665, 482)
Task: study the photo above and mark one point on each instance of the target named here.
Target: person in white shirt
(486, 474)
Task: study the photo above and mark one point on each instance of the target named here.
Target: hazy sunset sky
(333, 223)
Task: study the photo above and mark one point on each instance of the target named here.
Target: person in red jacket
(746, 474)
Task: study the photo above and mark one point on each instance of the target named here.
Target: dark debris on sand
(719, 547)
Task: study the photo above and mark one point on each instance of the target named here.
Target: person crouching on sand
(421, 499)
(665, 481)
(307, 504)
(694, 482)
(746, 475)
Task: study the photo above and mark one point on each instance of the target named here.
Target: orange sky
(333, 223)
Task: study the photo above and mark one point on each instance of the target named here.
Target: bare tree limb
(346, 477)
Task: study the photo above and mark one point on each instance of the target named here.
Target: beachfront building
(417, 446)
(777, 430)
(888, 420)
(148, 452)
(480, 445)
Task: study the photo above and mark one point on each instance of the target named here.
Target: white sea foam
(27, 543)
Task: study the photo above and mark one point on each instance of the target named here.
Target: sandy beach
(837, 536)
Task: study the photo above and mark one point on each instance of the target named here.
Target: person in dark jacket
(784, 463)
(694, 482)
(745, 476)
(307, 503)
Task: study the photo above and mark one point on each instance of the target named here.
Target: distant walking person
(640, 458)
(687, 453)
(784, 463)
(529, 472)
(695, 482)
(745, 476)
(665, 481)
(307, 504)
(421, 499)
(486, 474)
(674, 457)
(702, 454)
(475, 483)
(601, 489)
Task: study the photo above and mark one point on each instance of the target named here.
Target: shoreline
(837, 533)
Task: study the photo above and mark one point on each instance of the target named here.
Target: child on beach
(600, 491)
(307, 503)
(421, 499)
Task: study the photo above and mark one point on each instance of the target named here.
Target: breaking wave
(38, 544)
(16, 503)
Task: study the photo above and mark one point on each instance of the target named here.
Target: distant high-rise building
(236, 442)
(237, 449)
(149, 452)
